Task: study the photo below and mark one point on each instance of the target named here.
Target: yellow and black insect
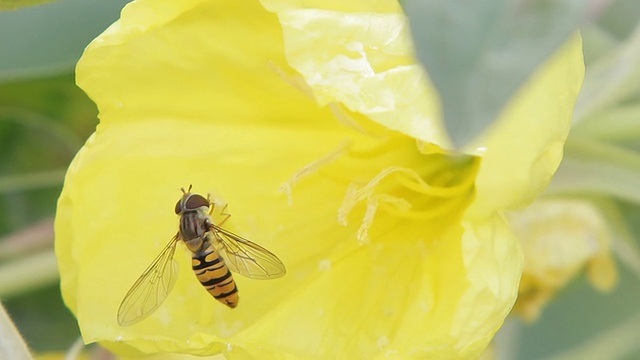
(214, 250)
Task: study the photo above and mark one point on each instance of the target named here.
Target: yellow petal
(534, 125)
(383, 255)
(364, 61)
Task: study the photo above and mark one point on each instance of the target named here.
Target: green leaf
(43, 319)
(581, 323)
(12, 346)
(616, 342)
(479, 53)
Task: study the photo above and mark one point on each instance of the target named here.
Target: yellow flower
(561, 238)
(322, 133)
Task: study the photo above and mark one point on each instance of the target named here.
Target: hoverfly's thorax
(193, 224)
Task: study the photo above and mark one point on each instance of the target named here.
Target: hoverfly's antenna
(187, 191)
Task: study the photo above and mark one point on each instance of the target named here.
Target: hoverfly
(214, 250)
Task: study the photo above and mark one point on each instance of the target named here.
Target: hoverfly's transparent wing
(245, 257)
(151, 288)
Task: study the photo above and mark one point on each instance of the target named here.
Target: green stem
(34, 237)
(592, 167)
(55, 129)
(12, 183)
(28, 273)
(74, 351)
(618, 125)
(12, 346)
(625, 246)
(611, 79)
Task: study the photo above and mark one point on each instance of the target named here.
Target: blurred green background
(45, 118)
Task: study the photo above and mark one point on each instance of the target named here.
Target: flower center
(395, 178)
(433, 187)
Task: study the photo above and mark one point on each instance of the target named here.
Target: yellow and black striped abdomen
(215, 276)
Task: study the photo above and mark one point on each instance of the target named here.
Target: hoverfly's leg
(223, 213)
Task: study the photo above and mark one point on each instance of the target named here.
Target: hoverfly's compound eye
(195, 201)
(179, 207)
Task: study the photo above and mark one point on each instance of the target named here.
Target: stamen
(295, 80)
(355, 195)
(312, 168)
(343, 117)
(373, 203)
(367, 220)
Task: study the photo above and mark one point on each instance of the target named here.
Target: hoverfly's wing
(245, 257)
(151, 288)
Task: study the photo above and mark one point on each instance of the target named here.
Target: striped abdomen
(214, 275)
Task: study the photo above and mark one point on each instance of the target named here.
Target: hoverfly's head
(190, 201)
